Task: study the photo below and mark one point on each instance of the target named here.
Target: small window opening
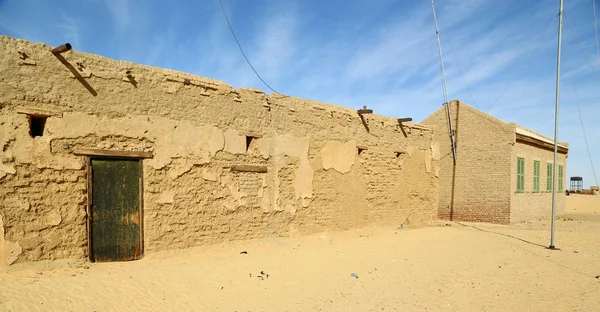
(360, 150)
(398, 154)
(36, 126)
(250, 142)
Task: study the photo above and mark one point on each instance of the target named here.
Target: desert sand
(449, 266)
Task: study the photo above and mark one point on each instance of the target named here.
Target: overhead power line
(459, 69)
(582, 127)
(582, 49)
(242, 50)
(521, 65)
(579, 111)
(583, 130)
(461, 74)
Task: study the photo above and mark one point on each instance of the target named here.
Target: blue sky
(379, 53)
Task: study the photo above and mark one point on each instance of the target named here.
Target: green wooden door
(115, 212)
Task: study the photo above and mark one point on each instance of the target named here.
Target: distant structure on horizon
(577, 187)
(576, 184)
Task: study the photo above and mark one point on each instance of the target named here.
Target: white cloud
(396, 48)
(119, 10)
(70, 30)
(275, 45)
(218, 56)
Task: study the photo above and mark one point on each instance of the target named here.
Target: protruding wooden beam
(109, 153)
(400, 121)
(362, 147)
(251, 134)
(249, 168)
(62, 48)
(365, 110)
(37, 112)
(57, 53)
(399, 153)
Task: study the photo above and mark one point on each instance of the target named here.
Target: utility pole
(554, 167)
(437, 33)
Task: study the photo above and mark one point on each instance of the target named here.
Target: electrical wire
(582, 49)
(461, 75)
(242, 50)
(581, 121)
(519, 69)
(582, 127)
(459, 69)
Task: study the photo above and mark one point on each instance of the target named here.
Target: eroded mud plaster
(226, 163)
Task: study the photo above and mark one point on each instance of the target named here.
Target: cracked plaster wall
(196, 128)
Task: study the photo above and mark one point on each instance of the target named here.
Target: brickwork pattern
(482, 186)
(478, 189)
(530, 205)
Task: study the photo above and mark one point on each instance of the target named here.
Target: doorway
(115, 228)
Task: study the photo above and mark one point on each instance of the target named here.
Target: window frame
(560, 178)
(536, 176)
(520, 175)
(549, 168)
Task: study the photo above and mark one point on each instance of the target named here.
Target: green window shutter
(549, 178)
(560, 178)
(520, 175)
(536, 176)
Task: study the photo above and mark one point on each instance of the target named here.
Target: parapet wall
(196, 129)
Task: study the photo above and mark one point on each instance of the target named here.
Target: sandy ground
(454, 267)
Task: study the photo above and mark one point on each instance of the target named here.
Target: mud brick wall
(197, 129)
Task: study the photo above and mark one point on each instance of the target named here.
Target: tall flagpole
(554, 167)
(445, 89)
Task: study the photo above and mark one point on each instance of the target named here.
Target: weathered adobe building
(503, 172)
(182, 161)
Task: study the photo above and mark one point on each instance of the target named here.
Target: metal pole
(437, 34)
(554, 167)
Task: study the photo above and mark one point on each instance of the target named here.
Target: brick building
(503, 172)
